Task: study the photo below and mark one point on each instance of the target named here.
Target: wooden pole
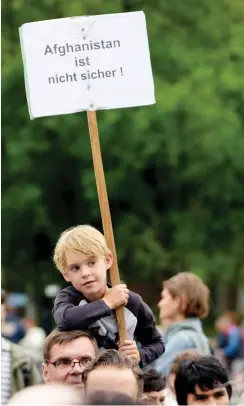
(105, 212)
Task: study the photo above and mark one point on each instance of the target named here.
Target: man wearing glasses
(66, 354)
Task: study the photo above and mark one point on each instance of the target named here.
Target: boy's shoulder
(135, 297)
(69, 292)
(136, 304)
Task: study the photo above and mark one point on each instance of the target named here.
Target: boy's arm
(70, 316)
(148, 335)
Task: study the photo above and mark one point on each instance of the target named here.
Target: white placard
(86, 63)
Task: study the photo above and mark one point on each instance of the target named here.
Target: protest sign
(86, 63)
(89, 63)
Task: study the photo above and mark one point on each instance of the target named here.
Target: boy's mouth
(88, 283)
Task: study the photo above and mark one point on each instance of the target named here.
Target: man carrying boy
(83, 258)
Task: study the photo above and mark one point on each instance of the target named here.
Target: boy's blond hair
(84, 239)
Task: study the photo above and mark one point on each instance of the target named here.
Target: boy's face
(87, 274)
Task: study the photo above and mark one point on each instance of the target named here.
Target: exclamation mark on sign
(121, 71)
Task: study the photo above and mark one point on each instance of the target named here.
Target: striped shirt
(5, 371)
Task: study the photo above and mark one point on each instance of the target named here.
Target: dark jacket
(73, 311)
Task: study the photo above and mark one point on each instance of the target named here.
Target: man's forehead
(109, 378)
(219, 387)
(111, 370)
(79, 346)
(156, 394)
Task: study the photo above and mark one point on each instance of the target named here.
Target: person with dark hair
(202, 382)
(112, 371)
(154, 390)
(191, 355)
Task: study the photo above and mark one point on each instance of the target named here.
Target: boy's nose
(85, 271)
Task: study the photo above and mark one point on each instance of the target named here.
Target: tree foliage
(174, 170)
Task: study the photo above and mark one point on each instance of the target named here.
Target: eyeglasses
(68, 363)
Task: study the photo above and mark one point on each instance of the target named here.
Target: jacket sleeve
(175, 346)
(147, 334)
(69, 316)
(233, 345)
(35, 377)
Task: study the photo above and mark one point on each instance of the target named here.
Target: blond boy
(83, 258)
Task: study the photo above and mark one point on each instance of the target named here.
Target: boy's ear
(66, 276)
(109, 260)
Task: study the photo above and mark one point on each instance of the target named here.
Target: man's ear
(143, 399)
(45, 372)
(66, 276)
(109, 260)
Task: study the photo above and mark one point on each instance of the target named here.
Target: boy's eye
(75, 268)
(91, 263)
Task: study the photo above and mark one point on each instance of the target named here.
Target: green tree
(174, 170)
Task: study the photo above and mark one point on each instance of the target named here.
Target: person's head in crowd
(66, 354)
(84, 247)
(113, 370)
(109, 398)
(191, 355)
(202, 382)
(154, 389)
(48, 395)
(183, 296)
(3, 305)
(227, 320)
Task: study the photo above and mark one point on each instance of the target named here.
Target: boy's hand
(129, 348)
(116, 296)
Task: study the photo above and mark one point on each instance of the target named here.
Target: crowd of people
(83, 360)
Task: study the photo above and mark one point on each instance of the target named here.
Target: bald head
(48, 395)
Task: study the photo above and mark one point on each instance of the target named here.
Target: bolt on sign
(89, 63)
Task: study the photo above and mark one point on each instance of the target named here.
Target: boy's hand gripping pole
(105, 213)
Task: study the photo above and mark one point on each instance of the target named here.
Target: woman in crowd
(184, 301)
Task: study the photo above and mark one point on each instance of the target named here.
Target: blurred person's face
(3, 312)
(87, 274)
(218, 396)
(169, 306)
(154, 397)
(48, 395)
(63, 364)
(121, 380)
(222, 325)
